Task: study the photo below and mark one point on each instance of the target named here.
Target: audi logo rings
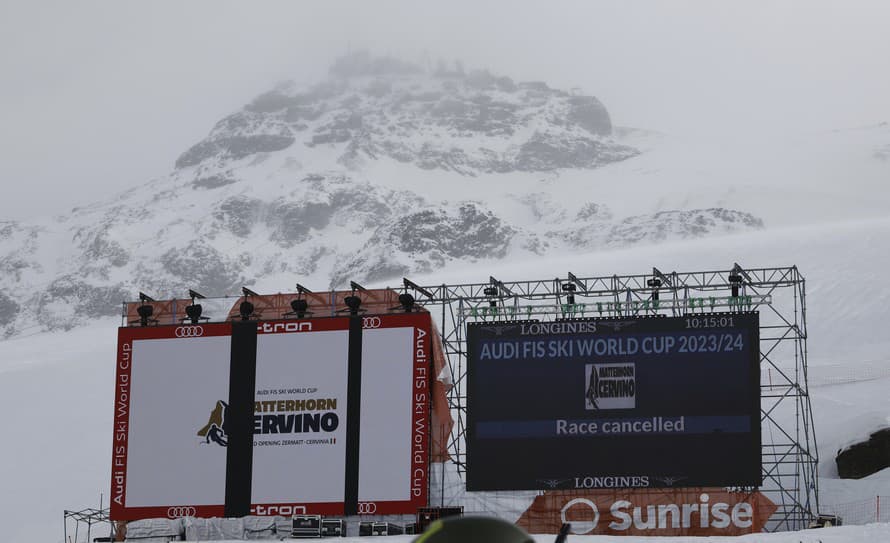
(189, 331)
(371, 322)
(179, 512)
(367, 508)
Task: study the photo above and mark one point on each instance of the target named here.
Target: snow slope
(842, 534)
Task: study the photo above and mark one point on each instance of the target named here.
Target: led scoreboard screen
(614, 403)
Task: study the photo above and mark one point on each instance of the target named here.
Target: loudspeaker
(379, 528)
(386, 528)
(306, 526)
(332, 527)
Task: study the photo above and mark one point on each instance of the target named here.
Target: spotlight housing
(735, 280)
(655, 282)
(299, 307)
(246, 310)
(407, 302)
(353, 303)
(570, 289)
(194, 312)
(145, 312)
(491, 292)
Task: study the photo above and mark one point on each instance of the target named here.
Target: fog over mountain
(383, 169)
(97, 99)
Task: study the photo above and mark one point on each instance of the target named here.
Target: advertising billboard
(649, 512)
(313, 416)
(614, 403)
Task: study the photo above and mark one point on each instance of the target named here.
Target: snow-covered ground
(56, 389)
(872, 533)
(877, 533)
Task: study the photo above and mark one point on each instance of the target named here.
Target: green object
(473, 529)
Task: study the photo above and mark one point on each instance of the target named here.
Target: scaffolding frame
(89, 517)
(789, 453)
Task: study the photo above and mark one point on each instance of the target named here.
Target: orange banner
(649, 512)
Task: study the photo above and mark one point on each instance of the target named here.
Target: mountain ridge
(380, 171)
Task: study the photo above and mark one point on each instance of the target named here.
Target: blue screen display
(614, 403)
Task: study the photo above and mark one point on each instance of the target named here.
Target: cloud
(99, 96)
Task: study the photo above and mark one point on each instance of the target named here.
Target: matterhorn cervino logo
(610, 386)
(216, 428)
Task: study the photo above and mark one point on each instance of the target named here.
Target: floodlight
(735, 280)
(299, 307)
(491, 292)
(145, 312)
(194, 312)
(407, 302)
(655, 282)
(570, 289)
(246, 310)
(353, 303)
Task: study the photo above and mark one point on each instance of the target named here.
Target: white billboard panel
(385, 447)
(176, 386)
(299, 435)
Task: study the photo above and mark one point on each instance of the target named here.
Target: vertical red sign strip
(420, 411)
(121, 436)
(420, 438)
(121, 422)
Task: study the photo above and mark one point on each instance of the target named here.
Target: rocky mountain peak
(446, 119)
(383, 169)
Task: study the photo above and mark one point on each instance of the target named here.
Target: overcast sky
(99, 96)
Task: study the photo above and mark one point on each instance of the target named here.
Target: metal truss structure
(789, 453)
(87, 517)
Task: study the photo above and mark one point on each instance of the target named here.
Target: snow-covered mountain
(446, 176)
(384, 169)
